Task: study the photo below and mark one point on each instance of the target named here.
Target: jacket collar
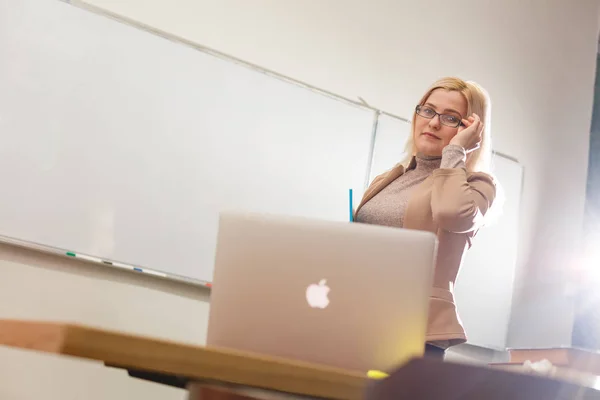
(383, 180)
(412, 164)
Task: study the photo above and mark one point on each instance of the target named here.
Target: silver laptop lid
(348, 295)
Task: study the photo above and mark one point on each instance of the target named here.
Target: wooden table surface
(216, 366)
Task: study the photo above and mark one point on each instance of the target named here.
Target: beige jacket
(450, 203)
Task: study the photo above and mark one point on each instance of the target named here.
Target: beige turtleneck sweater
(387, 207)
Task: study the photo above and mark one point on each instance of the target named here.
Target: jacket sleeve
(459, 200)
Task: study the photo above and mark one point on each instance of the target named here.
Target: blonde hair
(478, 102)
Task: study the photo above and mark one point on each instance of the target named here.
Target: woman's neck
(427, 162)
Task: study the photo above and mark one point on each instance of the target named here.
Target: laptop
(347, 295)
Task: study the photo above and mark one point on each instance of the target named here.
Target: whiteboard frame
(207, 50)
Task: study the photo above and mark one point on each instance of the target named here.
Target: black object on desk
(433, 379)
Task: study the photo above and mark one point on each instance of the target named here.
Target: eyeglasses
(450, 120)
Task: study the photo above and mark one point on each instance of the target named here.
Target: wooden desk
(210, 368)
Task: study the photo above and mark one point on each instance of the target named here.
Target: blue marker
(351, 206)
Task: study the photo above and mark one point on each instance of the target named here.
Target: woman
(441, 187)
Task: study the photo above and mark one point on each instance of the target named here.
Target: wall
(586, 330)
(44, 287)
(536, 58)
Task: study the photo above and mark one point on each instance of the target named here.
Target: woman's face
(431, 135)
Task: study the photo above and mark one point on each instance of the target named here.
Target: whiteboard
(121, 144)
(388, 148)
(484, 287)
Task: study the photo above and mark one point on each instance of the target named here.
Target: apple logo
(316, 294)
